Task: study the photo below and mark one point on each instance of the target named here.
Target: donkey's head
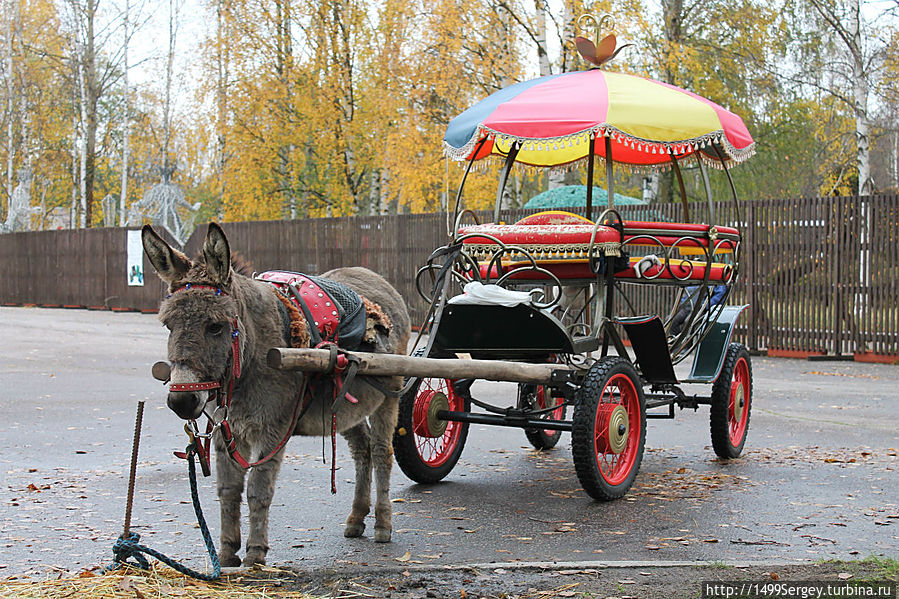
(201, 315)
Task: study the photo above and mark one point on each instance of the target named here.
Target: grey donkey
(208, 300)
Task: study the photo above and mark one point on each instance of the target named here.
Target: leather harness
(322, 315)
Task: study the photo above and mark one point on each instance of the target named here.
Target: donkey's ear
(168, 262)
(218, 255)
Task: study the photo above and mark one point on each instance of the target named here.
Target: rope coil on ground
(129, 546)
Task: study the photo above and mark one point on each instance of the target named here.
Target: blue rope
(130, 547)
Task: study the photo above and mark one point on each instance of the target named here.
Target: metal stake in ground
(134, 446)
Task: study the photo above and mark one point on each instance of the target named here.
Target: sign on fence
(135, 260)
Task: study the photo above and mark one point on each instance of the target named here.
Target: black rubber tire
(583, 434)
(406, 443)
(540, 438)
(729, 444)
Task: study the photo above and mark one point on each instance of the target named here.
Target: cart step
(647, 335)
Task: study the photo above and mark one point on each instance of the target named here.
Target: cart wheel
(609, 428)
(427, 448)
(731, 403)
(537, 397)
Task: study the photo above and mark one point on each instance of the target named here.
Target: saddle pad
(335, 310)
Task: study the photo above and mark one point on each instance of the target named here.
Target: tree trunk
(554, 178)
(860, 99)
(75, 151)
(11, 90)
(542, 55)
(221, 100)
(284, 68)
(673, 11)
(82, 148)
(167, 167)
(126, 127)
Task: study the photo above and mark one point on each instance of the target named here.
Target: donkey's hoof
(254, 558)
(382, 535)
(229, 561)
(354, 531)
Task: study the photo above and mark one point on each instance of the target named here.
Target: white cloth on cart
(476, 293)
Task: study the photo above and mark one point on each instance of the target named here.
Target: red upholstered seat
(553, 235)
(559, 242)
(681, 270)
(683, 235)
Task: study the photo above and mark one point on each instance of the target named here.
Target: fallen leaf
(844, 575)
(774, 575)
(405, 558)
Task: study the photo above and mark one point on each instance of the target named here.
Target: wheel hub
(612, 428)
(425, 422)
(739, 401)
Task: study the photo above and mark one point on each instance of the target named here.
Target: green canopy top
(569, 196)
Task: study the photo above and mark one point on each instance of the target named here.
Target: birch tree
(845, 22)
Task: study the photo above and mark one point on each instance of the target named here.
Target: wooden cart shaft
(317, 360)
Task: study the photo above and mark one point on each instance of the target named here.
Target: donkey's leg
(229, 478)
(383, 424)
(260, 490)
(359, 440)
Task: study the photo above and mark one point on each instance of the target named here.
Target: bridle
(222, 392)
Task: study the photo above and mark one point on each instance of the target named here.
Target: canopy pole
(610, 182)
(474, 156)
(510, 160)
(730, 180)
(590, 160)
(683, 190)
(708, 189)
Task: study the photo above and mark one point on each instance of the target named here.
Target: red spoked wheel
(731, 403)
(426, 447)
(538, 397)
(609, 428)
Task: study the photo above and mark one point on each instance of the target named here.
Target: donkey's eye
(215, 329)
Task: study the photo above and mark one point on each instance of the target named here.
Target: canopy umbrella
(554, 118)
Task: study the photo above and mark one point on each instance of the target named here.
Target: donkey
(218, 318)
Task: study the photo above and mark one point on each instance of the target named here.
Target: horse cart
(537, 302)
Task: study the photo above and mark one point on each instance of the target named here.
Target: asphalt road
(818, 480)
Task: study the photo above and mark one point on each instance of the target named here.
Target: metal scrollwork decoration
(604, 48)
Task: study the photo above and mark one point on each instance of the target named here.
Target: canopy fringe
(682, 148)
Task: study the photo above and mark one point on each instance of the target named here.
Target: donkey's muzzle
(187, 404)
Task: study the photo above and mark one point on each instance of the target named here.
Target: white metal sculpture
(18, 216)
(161, 205)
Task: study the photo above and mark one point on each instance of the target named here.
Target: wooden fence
(821, 274)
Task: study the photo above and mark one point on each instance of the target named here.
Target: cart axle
(508, 421)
